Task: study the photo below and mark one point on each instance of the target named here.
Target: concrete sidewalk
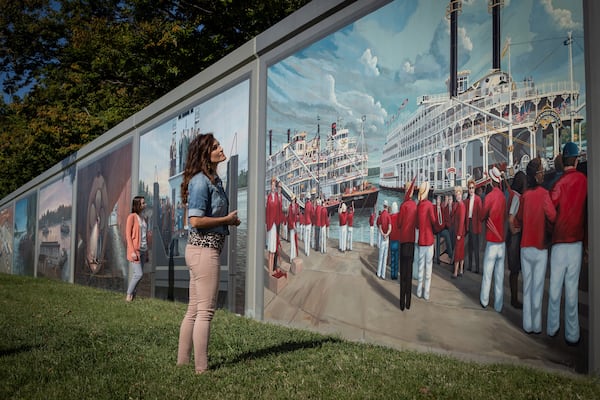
(339, 293)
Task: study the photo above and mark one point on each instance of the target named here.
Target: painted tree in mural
(71, 70)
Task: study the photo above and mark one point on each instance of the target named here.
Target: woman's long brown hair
(198, 160)
(136, 204)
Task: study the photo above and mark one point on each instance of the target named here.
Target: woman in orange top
(137, 244)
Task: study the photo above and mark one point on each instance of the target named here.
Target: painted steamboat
(496, 121)
(334, 172)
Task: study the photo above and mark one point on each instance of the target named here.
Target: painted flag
(404, 103)
(411, 187)
(505, 49)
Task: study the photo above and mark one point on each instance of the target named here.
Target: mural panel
(420, 97)
(24, 236)
(103, 203)
(6, 239)
(163, 152)
(54, 229)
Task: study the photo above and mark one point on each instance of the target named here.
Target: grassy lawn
(64, 341)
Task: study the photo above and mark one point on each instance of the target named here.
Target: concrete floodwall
(344, 77)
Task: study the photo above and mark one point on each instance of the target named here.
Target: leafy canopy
(72, 69)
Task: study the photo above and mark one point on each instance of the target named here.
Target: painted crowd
(529, 225)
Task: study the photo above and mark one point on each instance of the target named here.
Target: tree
(83, 66)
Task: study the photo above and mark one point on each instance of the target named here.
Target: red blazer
(308, 211)
(407, 221)
(427, 222)
(446, 216)
(324, 216)
(477, 209)
(343, 218)
(494, 215)
(318, 220)
(458, 218)
(273, 210)
(316, 215)
(384, 221)
(536, 215)
(569, 196)
(293, 211)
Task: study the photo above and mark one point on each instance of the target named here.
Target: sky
(401, 51)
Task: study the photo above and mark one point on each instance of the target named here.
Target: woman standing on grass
(209, 220)
(137, 244)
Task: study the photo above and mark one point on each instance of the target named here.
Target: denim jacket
(207, 200)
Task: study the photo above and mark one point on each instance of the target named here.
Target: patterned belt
(211, 239)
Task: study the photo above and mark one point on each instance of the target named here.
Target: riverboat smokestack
(270, 142)
(494, 6)
(454, 7)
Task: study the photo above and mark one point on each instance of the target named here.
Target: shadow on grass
(17, 350)
(286, 347)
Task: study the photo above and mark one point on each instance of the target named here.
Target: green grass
(63, 341)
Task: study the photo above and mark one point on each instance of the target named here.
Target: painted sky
(56, 194)
(225, 115)
(402, 52)
(21, 217)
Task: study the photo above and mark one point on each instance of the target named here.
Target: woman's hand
(134, 256)
(232, 219)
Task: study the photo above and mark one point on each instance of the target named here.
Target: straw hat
(495, 175)
(423, 190)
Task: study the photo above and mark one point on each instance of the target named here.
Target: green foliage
(56, 216)
(85, 66)
(86, 343)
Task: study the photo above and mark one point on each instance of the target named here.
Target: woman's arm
(131, 223)
(211, 222)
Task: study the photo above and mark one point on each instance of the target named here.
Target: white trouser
(424, 271)
(343, 237)
(493, 265)
(533, 268)
(307, 236)
(293, 249)
(349, 238)
(565, 265)
(383, 253)
(323, 239)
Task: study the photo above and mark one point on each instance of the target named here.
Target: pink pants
(195, 327)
